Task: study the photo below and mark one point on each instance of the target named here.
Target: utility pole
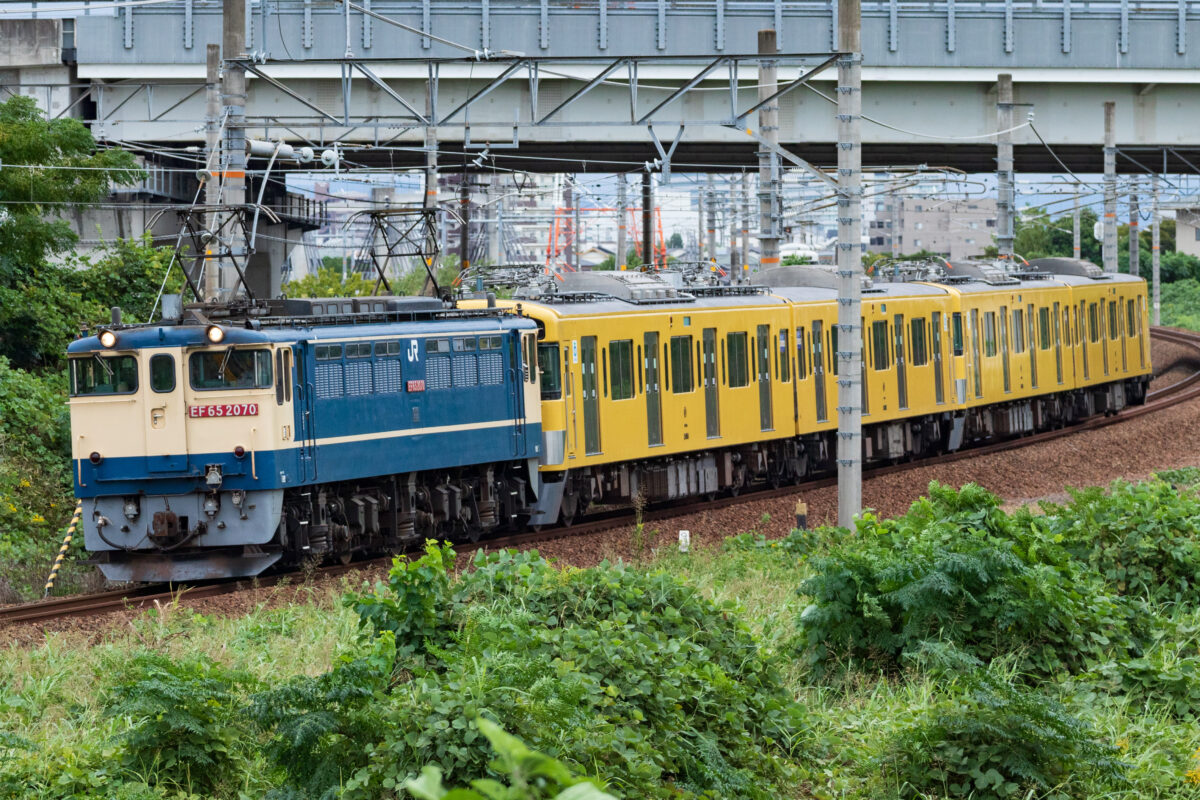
(734, 224)
(578, 231)
(464, 211)
(768, 161)
(894, 239)
(233, 106)
(647, 220)
(431, 194)
(710, 206)
(569, 208)
(212, 184)
(1135, 244)
(1110, 187)
(744, 203)
(849, 263)
(1156, 298)
(619, 257)
(1005, 200)
(1076, 245)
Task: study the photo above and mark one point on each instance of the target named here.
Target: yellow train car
(657, 392)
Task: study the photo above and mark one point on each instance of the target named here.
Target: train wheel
(566, 514)
(345, 558)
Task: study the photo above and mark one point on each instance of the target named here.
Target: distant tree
(46, 166)
(675, 242)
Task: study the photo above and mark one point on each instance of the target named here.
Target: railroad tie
(62, 551)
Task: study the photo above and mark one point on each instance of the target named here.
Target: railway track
(142, 597)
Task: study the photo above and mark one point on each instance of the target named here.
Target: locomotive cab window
(97, 375)
(230, 369)
(621, 368)
(162, 373)
(550, 367)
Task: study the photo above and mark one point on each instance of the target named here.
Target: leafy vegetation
(680, 678)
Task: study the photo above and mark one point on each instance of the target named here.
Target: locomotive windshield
(230, 369)
(550, 368)
(97, 374)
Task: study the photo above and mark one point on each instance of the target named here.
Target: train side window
(989, 333)
(739, 364)
(1018, 330)
(640, 369)
(329, 352)
(1113, 328)
(463, 344)
(358, 350)
(801, 355)
(666, 368)
(620, 355)
(833, 348)
(724, 374)
(920, 355)
(956, 331)
(1131, 318)
(437, 345)
(1093, 323)
(785, 356)
(549, 366)
(162, 373)
(1044, 328)
(680, 370)
(879, 345)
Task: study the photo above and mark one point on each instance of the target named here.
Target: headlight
(215, 334)
(108, 339)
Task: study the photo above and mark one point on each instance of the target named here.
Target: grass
(50, 693)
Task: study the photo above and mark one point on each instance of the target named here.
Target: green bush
(185, 722)
(956, 568)
(988, 737)
(635, 677)
(1143, 539)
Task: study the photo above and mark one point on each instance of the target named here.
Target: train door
(976, 353)
(1125, 340)
(303, 391)
(1058, 363)
(591, 399)
(1084, 337)
(166, 434)
(654, 434)
(1031, 341)
(901, 364)
(766, 418)
(1004, 348)
(712, 396)
(1105, 331)
(1141, 335)
(818, 368)
(939, 393)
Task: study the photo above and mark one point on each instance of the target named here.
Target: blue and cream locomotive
(206, 449)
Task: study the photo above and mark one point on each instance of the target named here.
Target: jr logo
(412, 350)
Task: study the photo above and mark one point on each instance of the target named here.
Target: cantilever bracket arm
(587, 87)
(486, 90)
(682, 90)
(294, 95)
(803, 79)
(665, 155)
(389, 91)
(787, 154)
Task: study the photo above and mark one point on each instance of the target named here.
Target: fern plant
(185, 726)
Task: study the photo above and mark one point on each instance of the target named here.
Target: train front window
(162, 373)
(230, 369)
(98, 375)
(551, 368)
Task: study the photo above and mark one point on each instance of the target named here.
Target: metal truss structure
(212, 235)
(397, 234)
